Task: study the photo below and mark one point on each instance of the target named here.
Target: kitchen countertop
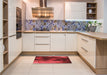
(96, 35)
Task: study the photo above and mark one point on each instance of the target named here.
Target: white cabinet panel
(42, 42)
(1, 29)
(12, 17)
(58, 42)
(1, 61)
(40, 47)
(1, 16)
(12, 48)
(75, 10)
(92, 52)
(1, 45)
(87, 48)
(42, 34)
(28, 42)
(1, 55)
(71, 42)
(19, 45)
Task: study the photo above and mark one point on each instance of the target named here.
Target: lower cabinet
(1, 55)
(42, 42)
(49, 42)
(28, 42)
(71, 42)
(19, 45)
(87, 49)
(12, 48)
(58, 41)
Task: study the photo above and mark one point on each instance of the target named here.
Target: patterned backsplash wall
(48, 25)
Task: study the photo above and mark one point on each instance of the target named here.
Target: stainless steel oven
(18, 23)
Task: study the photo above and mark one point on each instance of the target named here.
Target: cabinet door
(92, 52)
(19, 45)
(58, 42)
(87, 48)
(42, 42)
(12, 17)
(28, 42)
(1, 10)
(71, 42)
(1, 55)
(75, 10)
(12, 48)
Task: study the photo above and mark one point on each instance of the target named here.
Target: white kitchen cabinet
(1, 61)
(1, 55)
(12, 48)
(19, 45)
(12, 17)
(71, 42)
(87, 48)
(75, 10)
(1, 29)
(1, 16)
(42, 42)
(92, 52)
(58, 41)
(28, 42)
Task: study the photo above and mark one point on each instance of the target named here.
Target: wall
(48, 25)
(105, 16)
(19, 3)
(29, 5)
(58, 8)
(57, 4)
(23, 15)
(100, 13)
(100, 9)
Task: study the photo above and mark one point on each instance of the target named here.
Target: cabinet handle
(42, 36)
(84, 49)
(42, 44)
(85, 40)
(12, 35)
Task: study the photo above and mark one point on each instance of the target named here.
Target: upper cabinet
(12, 17)
(1, 10)
(75, 10)
(91, 10)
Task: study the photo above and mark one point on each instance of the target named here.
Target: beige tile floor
(24, 66)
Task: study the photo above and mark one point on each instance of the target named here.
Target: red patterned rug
(51, 59)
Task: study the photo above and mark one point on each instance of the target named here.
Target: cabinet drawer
(87, 48)
(84, 40)
(84, 51)
(42, 40)
(42, 34)
(42, 47)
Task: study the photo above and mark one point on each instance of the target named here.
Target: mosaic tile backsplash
(48, 25)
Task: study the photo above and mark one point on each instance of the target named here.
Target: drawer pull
(84, 49)
(85, 40)
(42, 44)
(42, 36)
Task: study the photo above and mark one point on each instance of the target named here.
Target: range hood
(43, 11)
